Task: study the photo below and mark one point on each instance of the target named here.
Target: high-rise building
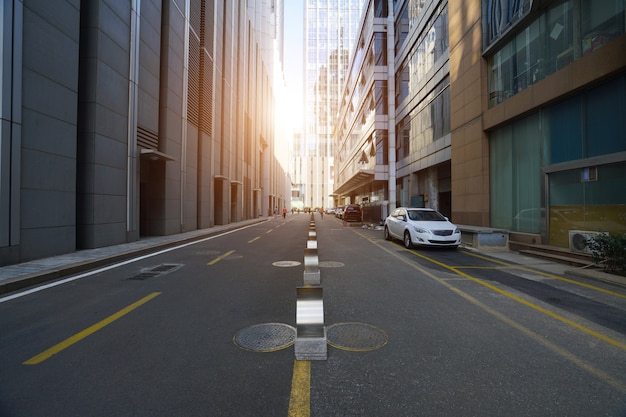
(123, 119)
(506, 114)
(330, 29)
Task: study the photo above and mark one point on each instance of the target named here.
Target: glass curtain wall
(560, 169)
(563, 33)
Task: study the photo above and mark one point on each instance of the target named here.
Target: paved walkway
(18, 276)
(15, 277)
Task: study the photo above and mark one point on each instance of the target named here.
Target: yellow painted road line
(549, 275)
(87, 332)
(252, 240)
(269, 231)
(608, 379)
(300, 399)
(526, 303)
(615, 383)
(219, 258)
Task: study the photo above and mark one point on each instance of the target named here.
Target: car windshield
(425, 216)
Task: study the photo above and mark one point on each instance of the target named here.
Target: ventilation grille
(147, 139)
(193, 86)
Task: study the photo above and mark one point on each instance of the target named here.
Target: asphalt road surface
(208, 329)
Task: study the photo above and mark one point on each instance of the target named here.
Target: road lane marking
(608, 379)
(116, 265)
(219, 258)
(548, 275)
(252, 240)
(524, 302)
(300, 398)
(269, 231)
(603, 376)
(87, 332)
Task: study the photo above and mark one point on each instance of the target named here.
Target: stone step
(558, 257)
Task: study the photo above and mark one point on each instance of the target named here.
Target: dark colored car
(352, 213)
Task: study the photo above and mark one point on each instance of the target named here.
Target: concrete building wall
(125, 119)
(470, 150)
(48, 149)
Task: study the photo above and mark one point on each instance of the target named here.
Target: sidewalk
(19, 276)
(557, 268)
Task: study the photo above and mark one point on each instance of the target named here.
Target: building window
(580, 196)
(563, 33)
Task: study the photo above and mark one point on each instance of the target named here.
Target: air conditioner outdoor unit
(578, 240)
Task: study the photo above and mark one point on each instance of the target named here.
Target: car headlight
(420, 230)
(457, 231)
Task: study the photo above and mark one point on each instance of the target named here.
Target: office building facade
(506, 114)
(130, 119)
(329, 33)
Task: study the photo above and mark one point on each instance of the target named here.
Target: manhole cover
(331, 264)
(266, 337)
(286, 264)
(358, 337)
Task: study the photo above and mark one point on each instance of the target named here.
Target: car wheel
(407, 239)
(387, 235)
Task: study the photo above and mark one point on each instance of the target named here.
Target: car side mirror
(402, 218)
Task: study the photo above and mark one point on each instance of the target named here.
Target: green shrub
(609, 251)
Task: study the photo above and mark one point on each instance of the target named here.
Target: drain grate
(144, 275)
(154, 271)
(164, 268)
(266, 337)
(358, 337)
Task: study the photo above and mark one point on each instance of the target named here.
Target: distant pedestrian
(322, 212)
(284, 212)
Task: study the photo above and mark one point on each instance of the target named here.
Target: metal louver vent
(147, 139)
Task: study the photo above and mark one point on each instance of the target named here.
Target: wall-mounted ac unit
(578, 240)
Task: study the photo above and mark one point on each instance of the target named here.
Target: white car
(421, 226)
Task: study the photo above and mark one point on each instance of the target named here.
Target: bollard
(311, 339)
(311, 267)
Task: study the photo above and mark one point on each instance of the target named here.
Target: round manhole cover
(331, 264)
(286, 264)
(358, 337)
(266, 337)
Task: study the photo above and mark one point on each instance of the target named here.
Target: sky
(293, 55)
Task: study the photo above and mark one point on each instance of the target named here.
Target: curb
(19, 282)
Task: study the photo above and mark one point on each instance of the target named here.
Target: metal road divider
(311, 267)
(311, 340)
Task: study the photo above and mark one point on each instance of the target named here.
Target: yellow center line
(252, 240)
(87, 332)
(219, 258)
(300, 399)
(479, 267)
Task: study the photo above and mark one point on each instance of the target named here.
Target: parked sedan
(421, 226)
(352, 213)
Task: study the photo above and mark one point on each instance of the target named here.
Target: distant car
(421, 226)
(352, 213)
(339, 212)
